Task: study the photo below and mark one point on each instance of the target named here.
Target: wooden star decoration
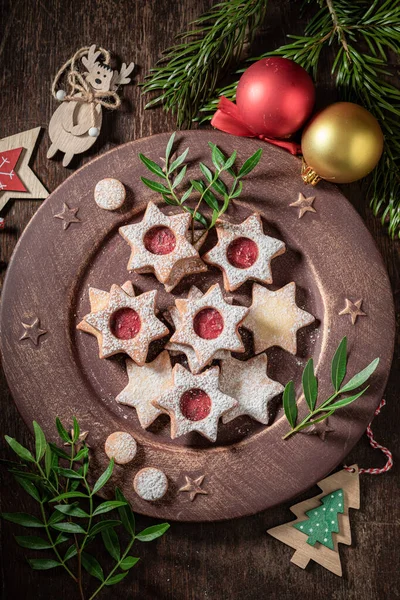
(34, 188)
(33, 331)
(320, 429)
(193, 487)
(68, 215)
(304, 204)
(353, 309)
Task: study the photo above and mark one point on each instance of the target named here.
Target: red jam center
(208, 323)
(195, 404)
(125, 323)
(159, 240)
(242, 253)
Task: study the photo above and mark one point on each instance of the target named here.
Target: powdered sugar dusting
(229, 339)
(268, 248)
(150, 484)
(141, 260)
(109, 194)
(121, 446)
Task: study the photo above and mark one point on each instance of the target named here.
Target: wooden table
(221, 561)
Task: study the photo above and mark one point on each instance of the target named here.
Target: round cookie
(121, 446)
(150, 484)
(109, 194)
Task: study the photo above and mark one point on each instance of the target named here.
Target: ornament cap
(308, 175)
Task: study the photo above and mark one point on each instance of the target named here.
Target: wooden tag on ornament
(91, 84)
(322, 522)
(17, 180)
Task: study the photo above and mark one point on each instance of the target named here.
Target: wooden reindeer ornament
(322, 522)
(76, 124)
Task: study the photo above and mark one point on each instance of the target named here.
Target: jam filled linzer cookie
(274, 318)
(195, 403)
(175, 348)
(121, 446)
(209, 324)
(150, 484)
(122, 322)
(159, 242)
(244, 252)
(247, 382)
(145, 384)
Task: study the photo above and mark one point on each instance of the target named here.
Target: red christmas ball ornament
(275, 97)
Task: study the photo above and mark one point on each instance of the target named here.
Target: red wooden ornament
(9, 180)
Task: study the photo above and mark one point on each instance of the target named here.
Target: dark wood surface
(228, 560)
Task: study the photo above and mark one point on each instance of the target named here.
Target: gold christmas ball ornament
(342, 143)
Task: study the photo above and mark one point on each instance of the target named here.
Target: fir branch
(69, 516)
(327, 408)
(189, 71)
(360, 35)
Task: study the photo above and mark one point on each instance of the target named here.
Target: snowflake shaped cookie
(274, 318)
(174, 348)
(195, 403)
(247, 382)
(145, 384)
(209, 324)
(159, 243)
(122, 322)
(244, 252)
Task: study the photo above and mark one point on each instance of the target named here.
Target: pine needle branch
(188, 73)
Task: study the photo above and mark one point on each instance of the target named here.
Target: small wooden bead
(93, 131)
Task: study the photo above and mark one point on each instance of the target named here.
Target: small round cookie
(121, 446)
(150, 484)
(109, 194)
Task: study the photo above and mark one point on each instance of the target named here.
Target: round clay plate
(330, 255)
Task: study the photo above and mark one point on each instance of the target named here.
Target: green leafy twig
(310, 390)
(213, 191)
(188, 72)
(69, 516)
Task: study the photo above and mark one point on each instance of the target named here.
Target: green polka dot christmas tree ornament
(317, 537)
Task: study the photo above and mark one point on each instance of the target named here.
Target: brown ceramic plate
(330, 255)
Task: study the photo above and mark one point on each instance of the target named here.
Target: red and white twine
(375, 445)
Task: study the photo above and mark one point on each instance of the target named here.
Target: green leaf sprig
(70, 519)
(310, 390)
(212, 190)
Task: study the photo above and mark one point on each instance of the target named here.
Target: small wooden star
(304, 204)
(68, 215)
(33, 331)
(320, 429)
(193, 486)
(79, 443)
(353, 309)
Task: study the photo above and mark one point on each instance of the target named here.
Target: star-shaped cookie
(174, 348)
(209, 324)
(244, 252)
(247, 382)
(122, 322)
(159, 243)
(274, 318)
(304, 204)
(353, 309)
(145, 384)
(195, 403)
